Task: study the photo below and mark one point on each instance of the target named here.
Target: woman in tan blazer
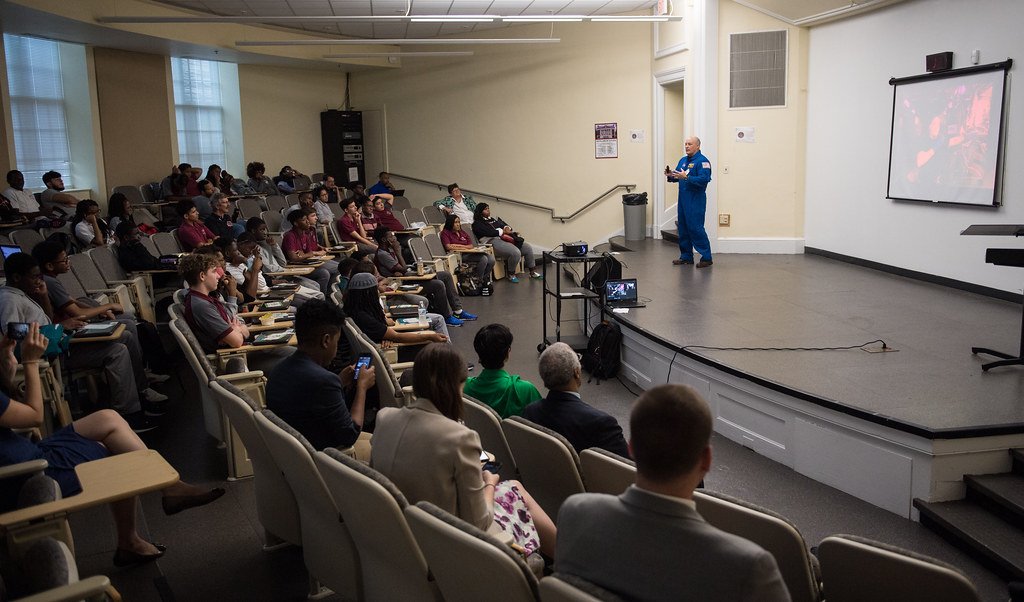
(430, 455)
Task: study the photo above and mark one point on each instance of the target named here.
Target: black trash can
(634, 215)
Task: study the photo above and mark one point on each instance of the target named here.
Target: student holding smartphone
(311, 398)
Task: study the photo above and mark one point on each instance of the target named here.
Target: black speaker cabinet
(942, 61)
(342, 135)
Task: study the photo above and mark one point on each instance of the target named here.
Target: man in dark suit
(565, 412)
(649, 543)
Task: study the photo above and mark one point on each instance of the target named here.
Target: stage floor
(932, 386)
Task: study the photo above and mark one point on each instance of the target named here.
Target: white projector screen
(947, 137)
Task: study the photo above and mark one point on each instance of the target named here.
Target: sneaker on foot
(139, 422)
(453, 321)
(537, 275)
(465, 316)
(513, 278)
(151, 395)
(155, 378)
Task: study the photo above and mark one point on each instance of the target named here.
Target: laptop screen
(618, 291)
(7, 250)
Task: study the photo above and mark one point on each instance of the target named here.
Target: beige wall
(764, 189)
(134, 109)
(518, 121)
(281, 114)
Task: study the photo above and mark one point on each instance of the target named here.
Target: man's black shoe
(705, 263)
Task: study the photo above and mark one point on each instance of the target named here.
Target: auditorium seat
(392, 565)
(414, 215)
(273, 220)
(487, 423)
(132, 193)
(248, 207)
(855, 569)
(570, 588)
(433, 215)
(400, 204)
(26, 239)
(141, 215)
(773, 532)
(468, 564)
(130, 292)
(605, 472)
(275, 202)
(391, 393)
(140, 286)
(276, 507)
(548, 465)
(327, 547)
(167, 243)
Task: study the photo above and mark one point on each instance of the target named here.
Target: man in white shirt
(274, 260)
(649, 543)
(245, 259)
(54, 196)
(21, 199)
(457, 203)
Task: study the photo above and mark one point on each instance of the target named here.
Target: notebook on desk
(96, 329)
(273, 338)
(621, 293)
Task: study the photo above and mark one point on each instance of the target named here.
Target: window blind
(198, 110)
(37, 108)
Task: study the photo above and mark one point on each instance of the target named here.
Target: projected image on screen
(945, 139)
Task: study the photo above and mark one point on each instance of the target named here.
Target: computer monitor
(620, 291)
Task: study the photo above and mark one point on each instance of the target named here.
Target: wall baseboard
(759, 245)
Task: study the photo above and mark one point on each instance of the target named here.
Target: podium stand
(1010, 257)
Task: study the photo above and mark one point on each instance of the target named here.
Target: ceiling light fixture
(543, 19)
(366, 55)
(610, 19)
(451, 19)
(398, 42)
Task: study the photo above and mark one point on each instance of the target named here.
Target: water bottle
(419, 266)
(423, 313)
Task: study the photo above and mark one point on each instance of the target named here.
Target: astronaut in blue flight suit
(693, 174)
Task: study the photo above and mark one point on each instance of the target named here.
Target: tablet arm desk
(1010, 257)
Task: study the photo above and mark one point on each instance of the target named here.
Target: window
(757, 69)
(198, 110)
(37, 108)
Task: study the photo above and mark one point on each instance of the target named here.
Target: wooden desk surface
(409, 327)
(292, 271)
(415, 291)
(266, 327)
(110, 337)
(417, 277)
(250, 347)
(12, 225)
(107, 480)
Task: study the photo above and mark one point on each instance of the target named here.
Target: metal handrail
(501, 199)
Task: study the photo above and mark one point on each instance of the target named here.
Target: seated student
(300, 242)
(454, 239)
(429, 455)
(26, 299)
(351, 229)
(362, 304)
(274, 260)
(224, 277)
(204, 200)
(311, 398)
(437, 322)
(383, 185)
(192, 232)
(214, 317)
(441, 294)
(305, 200)
(259, 182)
(90, 230)
(213, 175)
(285, 180)
(119, 209)
(219, 221)
(565, 412)
(366, 215)
(20, 199)
(385, 217)
(457, 204)
(507, 393)
(92, 437)
(232, 186)
(135, 257)
(140, 337)
(650, 543)
(324, 215)
(246, 258)
(54, 196)
(333, 191)
(507, 243)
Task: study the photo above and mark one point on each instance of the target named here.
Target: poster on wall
(606, 141)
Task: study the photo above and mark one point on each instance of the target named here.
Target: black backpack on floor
(603, 356)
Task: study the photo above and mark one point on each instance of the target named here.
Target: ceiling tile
(351, 7)
(310, 8)
(423, 30)
(389, 30)
(388, 7)
(430, 7)
(356, 30)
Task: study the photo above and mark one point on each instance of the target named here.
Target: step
(619, 243)
(979, 532)
(1002, 493)
(1018, 460)
(670, 235)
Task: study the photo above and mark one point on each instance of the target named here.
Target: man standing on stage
(693, 174)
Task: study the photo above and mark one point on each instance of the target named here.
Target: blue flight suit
(691, 206)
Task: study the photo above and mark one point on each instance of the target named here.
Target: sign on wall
(606, 140)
